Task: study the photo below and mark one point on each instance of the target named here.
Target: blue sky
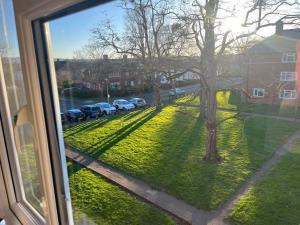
(71, 32)
(8, 35)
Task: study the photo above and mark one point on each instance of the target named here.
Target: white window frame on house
(288, 57)
(288, 76)
(292, 93)
(257, 90)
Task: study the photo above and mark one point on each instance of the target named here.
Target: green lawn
(276, 198)
(106, 204)
(165, 150)
(227, 100)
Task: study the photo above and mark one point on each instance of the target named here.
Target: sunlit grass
(276, 199)
(103, 203)
(228, 100)
(165, 149)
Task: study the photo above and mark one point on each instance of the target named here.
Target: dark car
(91, 111)
(75, 115)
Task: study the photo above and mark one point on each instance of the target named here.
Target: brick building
(270, 68)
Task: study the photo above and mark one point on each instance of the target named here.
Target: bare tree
(150, 36)
(205, 21)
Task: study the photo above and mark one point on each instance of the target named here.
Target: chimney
(279, 27)
(124, 57)
(105, 57)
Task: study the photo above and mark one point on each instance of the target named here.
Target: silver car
(138, 102)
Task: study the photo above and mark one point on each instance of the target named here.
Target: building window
(288, 57)
(287, 76)
(258, 92)
(287, 94)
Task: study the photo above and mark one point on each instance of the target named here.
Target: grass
(276, 198)
(227, 100)
(165, 150)
(106, 204)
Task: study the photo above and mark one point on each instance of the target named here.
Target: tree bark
(212, 153)
(210, 65)
(157, 93)
(202, 96)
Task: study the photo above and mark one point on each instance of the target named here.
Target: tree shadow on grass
(101, 147)
(84, 126)
(175, 164)
(91, 125)
(133, 114)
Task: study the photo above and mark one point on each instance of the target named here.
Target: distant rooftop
(284, 41)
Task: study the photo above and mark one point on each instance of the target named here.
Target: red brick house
(271, 68)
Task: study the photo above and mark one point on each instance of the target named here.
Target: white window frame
(288, 57)
(288, 76)
(55, 190)
(256, 90)
(292, 92)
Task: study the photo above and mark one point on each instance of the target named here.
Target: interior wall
(39, 8)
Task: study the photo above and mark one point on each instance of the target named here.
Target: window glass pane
(184, 108)
(32, 190)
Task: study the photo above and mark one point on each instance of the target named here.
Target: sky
(8, 34)
(71, 32)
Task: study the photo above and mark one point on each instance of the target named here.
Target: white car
(138, 102)
(122, 104)
(176, 92)
(106, 108)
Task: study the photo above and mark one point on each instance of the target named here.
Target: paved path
(217, 217)
(245, 113)
(169, 203)
(160, 199)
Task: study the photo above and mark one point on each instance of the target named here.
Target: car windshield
(123, 102)
(140, 101)
(106, 105)
(77, 113)
(94, 109)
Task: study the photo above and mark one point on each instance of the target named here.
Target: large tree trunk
(210, 65)
(202, 96)
(212, 153)
(157, 93)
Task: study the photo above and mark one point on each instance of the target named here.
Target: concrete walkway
(160, 199)
(245, 113)
(170, 204)
(217, 217)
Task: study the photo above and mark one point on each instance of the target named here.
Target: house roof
(286, 41)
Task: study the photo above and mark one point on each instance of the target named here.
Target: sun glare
(234, 24)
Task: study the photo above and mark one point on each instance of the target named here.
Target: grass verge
(96, 201)
(165, 150)
(276, 198)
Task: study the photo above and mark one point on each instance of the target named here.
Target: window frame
(54, 177)
(286, 55)
(284, 74)
(287, 91)
(255, 90)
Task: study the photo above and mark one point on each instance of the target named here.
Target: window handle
(24, 116)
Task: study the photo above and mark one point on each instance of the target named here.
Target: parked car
(176, 92)
(106, 108)
(75, 115)
(138, 102)
(122, 104)
(91, 111)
